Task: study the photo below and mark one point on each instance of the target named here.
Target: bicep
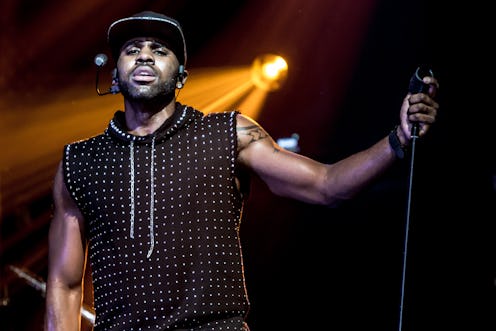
(66, 237)
(285, 173)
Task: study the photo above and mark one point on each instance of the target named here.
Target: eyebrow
(139, 42)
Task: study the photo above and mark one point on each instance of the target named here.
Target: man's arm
(295, 176)
(65, 262)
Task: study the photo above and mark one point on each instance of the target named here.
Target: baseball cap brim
(148, 24)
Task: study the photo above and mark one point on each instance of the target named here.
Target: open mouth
(144, 74)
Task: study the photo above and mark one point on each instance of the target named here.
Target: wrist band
(398, 148)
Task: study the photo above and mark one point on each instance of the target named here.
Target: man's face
(147, 69)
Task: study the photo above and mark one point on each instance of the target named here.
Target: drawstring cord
(131, 159)
(152, 181)
(152, 198)
(152, 195)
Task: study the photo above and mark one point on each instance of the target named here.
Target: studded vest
(162, 216)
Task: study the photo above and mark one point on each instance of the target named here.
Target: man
(158, 197)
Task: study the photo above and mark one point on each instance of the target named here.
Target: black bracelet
(398, 148)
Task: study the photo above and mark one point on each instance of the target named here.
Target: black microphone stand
(407, 224)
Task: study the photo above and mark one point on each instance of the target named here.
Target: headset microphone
(100, 60)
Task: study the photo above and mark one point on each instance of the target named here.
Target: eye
(131, 50)
(161, 51)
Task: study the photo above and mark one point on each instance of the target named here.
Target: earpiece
(114, 75)
(114, 88)
(182, 74)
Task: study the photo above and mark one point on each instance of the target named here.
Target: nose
(145, 56)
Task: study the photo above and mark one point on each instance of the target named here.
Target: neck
(145, 118)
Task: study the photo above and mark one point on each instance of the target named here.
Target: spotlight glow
(269, 72)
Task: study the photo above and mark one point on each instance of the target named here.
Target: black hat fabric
(148, 24)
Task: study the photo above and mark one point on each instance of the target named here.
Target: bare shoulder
(58, 180)
(244, 122)
(250, 132)
(63, 202)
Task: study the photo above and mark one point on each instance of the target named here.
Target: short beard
(146, 93)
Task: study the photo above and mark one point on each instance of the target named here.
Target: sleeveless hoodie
(162, 216)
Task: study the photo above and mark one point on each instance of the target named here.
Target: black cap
(148, 24)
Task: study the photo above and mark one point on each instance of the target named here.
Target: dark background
(307, 267)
